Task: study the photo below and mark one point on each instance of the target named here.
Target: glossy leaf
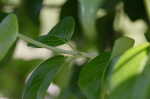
(124, 72)
(41, 78)
(8, 34)
(121, 45)
(60, 34)
(91, 76)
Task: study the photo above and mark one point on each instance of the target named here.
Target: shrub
(113, 66)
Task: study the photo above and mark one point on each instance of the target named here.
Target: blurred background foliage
(98, 24)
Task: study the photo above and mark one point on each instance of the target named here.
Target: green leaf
(142, 85)
(121, 45)
(8, 34)
(60, 34)
(13, 73)
(64, 74)
(41, 78)
(125, 71)
(72, 91)
(91, 77)
(88, 17)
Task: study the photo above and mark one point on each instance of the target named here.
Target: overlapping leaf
(41, 78)
(91, 76)
(93, 72)
(121, 45)
(142, 85)
(60, 34)
(124, 72)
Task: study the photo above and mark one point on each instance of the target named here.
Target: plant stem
(54, 49)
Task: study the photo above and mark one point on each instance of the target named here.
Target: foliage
(109, 55)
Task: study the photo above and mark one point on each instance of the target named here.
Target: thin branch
(54, 49)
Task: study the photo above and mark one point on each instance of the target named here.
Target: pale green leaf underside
(121, 45)
(88, 15)
(8, 34)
